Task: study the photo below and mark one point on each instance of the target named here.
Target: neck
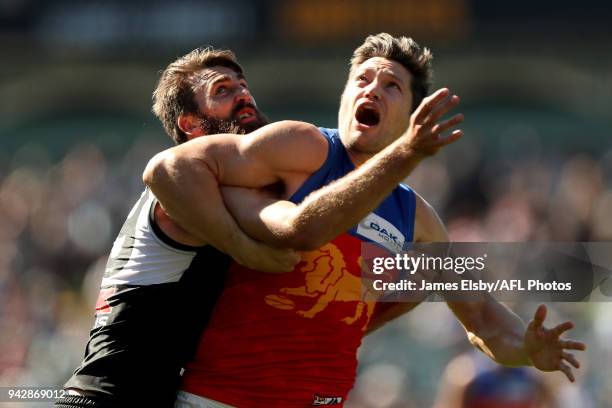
(357, 158)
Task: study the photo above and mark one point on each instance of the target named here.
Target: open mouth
(367, 115)
(245, 114)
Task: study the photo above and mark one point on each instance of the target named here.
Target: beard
(213, 126)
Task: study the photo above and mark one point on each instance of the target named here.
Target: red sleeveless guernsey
(290, 340)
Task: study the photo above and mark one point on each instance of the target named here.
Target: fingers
(453, 137)
(538, 317)
(570, 358)
(567, 371)
(294, 256)
(279, 261)
(427, 105)
(424, 133)
(572, 345)
(438, 112)
(441, 127)
(291, 259)
(562, 328)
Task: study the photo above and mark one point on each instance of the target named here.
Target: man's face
(375, 107)
(225, 102)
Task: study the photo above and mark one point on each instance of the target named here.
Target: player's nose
(372, 91)
(244, 95)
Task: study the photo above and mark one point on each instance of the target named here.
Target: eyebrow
(398, 79)
(225, 78)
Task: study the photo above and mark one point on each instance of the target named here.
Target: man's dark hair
(405, 51)
(180, 81)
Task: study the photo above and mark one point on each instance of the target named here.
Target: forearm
(325, 213)
(186, 178)
(339, 206)
(387, 311)
(172, 183)
(495, 330)
(261, 216)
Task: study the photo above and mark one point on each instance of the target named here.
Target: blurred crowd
(59, 218)
(59, 221)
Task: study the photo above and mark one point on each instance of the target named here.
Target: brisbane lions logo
(327, 280)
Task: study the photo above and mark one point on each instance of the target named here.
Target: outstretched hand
(546, 350)
(425, 131)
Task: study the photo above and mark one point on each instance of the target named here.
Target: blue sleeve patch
(408, 207)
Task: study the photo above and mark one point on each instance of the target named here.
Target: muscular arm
(224, 234)
(187, 187)
(186, 178)
(288, 152)
(329, 211)
(273, 153)
(490, 325)
(500, 334)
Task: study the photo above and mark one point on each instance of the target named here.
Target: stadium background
(76, 131)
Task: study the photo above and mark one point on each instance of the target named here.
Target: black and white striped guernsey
(155, 299)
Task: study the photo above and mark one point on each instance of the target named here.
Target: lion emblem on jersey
(327, 280)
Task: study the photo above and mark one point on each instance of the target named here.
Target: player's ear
(190, 125)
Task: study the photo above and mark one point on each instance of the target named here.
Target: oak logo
(381, 231)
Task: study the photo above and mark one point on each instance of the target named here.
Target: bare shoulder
(428, 225)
